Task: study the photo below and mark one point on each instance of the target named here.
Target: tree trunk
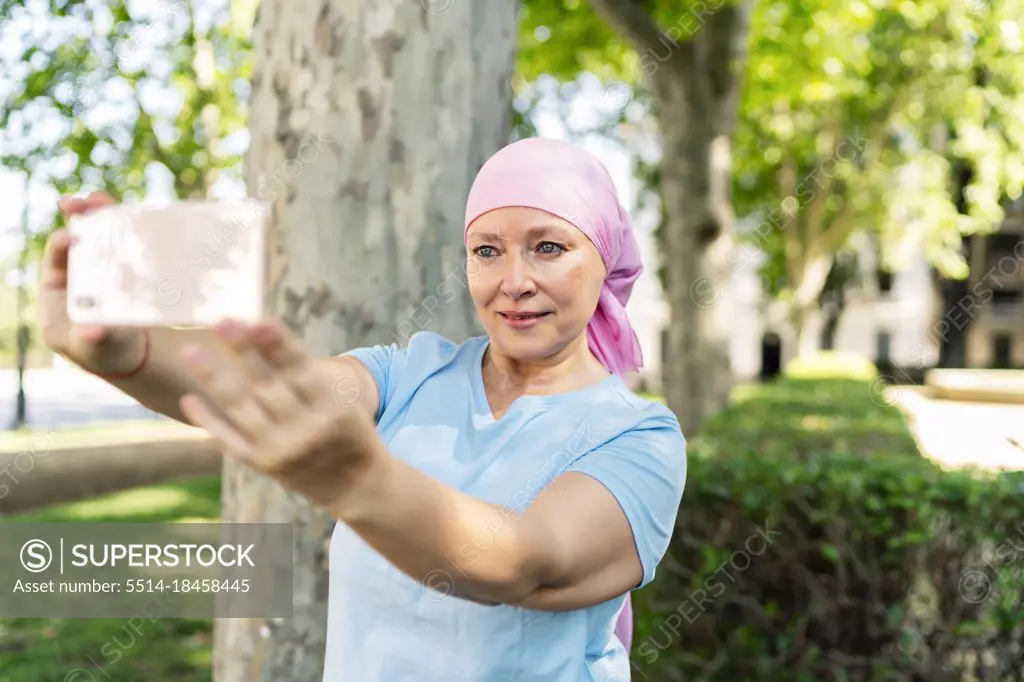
(953, 338)
(953, 341)
(696, 93)
(369, 122)
(833, 315)
(698, 235)
(801, 319)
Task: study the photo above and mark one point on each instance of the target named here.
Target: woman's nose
(517, 279)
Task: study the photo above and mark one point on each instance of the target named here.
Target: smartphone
(191, 264)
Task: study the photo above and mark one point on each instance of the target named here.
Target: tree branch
(814, 273)
(823, 182)
(836, 234)
(833, 237)
(630, 20)
(793, 246)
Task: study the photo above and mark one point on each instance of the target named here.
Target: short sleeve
(385, 364)
(645, 469)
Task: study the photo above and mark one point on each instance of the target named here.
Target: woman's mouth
(522, 320)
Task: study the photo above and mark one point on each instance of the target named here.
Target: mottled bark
(369, 122)
(696, 84)
(697, 373)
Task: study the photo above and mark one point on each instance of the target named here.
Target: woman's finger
(229, 391)
(279, 346)
(55, 261)
(202, 416)
(239, 340)
(282, 350)
(271, 387)
(73, 205)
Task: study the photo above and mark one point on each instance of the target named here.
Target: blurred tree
(107, 92)
(856, 115)
(953, 339)
(684, 56)
(843, 276)
(368, 127)
(83, 106)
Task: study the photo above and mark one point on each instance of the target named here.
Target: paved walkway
(957, 434)
(65, 398)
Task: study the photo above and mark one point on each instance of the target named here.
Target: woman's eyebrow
(532, 233)
(484, 236)
(553, 229)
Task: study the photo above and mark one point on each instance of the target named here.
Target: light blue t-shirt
(384, 626)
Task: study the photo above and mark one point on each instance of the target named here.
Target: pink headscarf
(574, 185)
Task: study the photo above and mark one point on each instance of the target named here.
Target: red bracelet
(142, 365)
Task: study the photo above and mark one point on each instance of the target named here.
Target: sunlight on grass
(817, 422)
(127, 503)
(743, 392)
(832, 365)
(194, 498)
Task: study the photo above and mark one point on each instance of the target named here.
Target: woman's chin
(534, 344)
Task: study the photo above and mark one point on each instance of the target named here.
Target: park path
(67, 398)
(956, 434)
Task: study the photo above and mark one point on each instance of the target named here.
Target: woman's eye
(550, 248)
(484, 251)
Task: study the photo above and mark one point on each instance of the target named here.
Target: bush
(815, 544)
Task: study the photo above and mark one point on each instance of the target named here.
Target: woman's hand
(104, 350)
(285, 417)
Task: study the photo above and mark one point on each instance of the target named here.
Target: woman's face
(535, 280)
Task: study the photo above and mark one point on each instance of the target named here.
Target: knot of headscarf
(571, 183)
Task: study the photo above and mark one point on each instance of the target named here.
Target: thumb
(93, 333)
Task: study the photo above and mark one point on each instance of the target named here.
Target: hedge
(815, 543)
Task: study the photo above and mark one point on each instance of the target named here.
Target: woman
(497, 499)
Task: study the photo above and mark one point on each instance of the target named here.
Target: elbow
(519, 580)
(508, 585)
(512, 572)
(516, 592)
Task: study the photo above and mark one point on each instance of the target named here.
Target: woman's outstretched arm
(596, 532)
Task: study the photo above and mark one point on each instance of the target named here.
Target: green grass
(100, 433)
(108, 649)
(189, 500)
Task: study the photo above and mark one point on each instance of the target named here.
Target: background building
(895, 319)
